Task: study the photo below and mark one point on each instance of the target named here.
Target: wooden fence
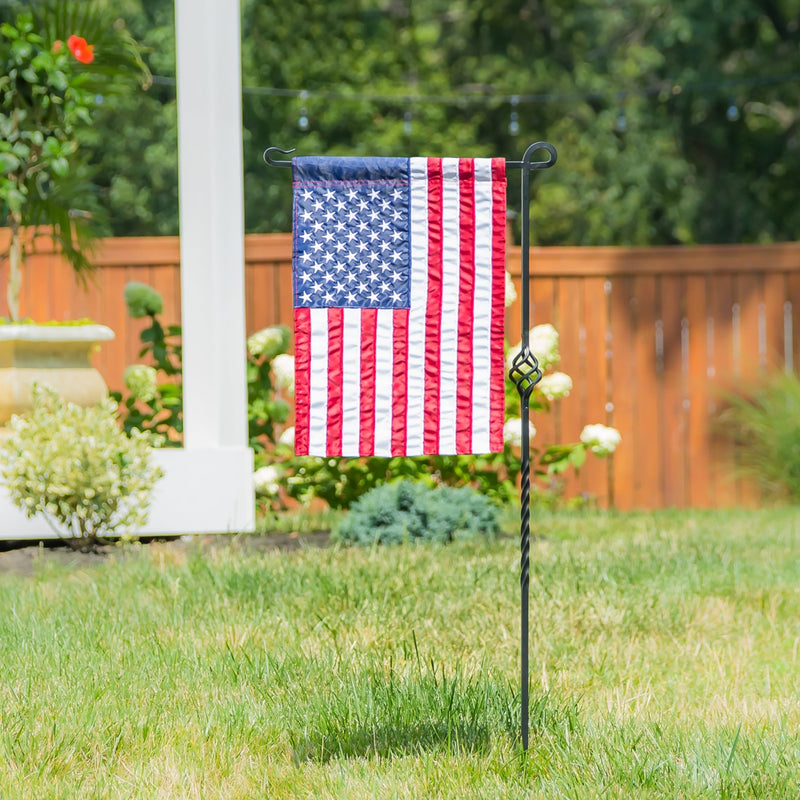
(652, 338)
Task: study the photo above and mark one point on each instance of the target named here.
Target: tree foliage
(675, 123)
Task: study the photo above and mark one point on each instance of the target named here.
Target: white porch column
(208, 485)
(211, 222)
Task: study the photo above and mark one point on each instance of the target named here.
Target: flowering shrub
(75, 467)
(154, 398)
(266, 409)
(556, 458)
(341, 481)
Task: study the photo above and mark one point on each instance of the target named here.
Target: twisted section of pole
(525, 374)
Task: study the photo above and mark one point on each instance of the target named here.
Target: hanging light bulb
(621, 124)
(513, 124)
(733, 112)
(302, 123)
(407, 123)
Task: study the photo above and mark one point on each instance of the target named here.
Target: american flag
(399, 281)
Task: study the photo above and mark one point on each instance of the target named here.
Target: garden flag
(399, 282)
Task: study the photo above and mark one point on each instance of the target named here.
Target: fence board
(624, 389)
(725, 324)
(774, 301)
(652, 338)
(671, 391)
(697, 457)
(793, 298)
(568, 412)
(648, 486)
(594, 390)
(751, 351)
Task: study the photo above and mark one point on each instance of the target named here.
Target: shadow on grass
(384, 740)
(451, 715)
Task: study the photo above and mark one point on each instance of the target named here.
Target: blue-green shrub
(399, 512)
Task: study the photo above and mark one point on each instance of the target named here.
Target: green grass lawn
(664, 664)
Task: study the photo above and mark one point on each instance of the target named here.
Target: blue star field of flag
(352, 245)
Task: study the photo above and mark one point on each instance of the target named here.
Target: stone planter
(56, 355)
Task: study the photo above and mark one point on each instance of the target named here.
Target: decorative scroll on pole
(525, 374)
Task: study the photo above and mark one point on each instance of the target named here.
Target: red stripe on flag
(366, 440)
(302, 378)
(497, 382)
(400, 382)
(433, 317)
(466, 304)
(333, 446)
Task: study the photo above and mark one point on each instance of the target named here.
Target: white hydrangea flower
(266, 480)
(601, 439)
(141, 381)
(512, 431)
(268, 341)
(283, 370)
(287, 437)
(543, 342)
(555, 385)
(511, 292)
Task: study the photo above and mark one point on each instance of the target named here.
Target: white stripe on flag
(481, 332)
(384, 348)
(318, 383)
(351, 380)
(419, 292)
(451, 255)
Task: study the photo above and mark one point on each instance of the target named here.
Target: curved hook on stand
(273, 162)
(527, 159)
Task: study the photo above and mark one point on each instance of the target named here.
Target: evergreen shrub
(404, 511)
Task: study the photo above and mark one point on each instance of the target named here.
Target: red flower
(83, 52)
(57, 44)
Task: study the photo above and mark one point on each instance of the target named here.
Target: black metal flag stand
(525, 374)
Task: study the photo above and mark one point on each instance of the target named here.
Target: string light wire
(666, 87)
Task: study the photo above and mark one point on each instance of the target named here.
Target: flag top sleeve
(398, 270)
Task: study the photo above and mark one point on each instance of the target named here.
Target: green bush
(764, 425)
(405, 511)
(78, 469)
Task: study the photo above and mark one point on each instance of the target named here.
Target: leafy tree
(675, 123)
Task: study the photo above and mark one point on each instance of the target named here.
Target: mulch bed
(27, 557)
